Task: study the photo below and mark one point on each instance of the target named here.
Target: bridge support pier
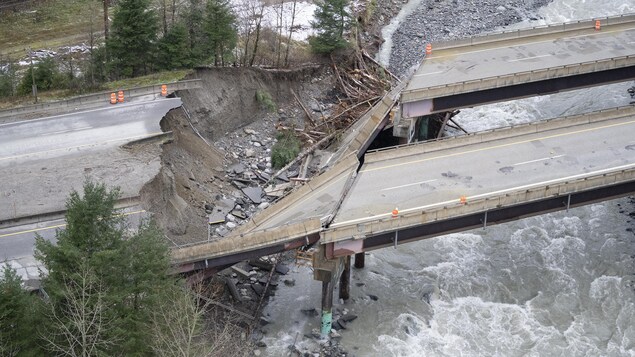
(328, 272)
(359, 260)
(345, 280)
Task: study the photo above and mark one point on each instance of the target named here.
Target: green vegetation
(17, 316)
(145, 37)
(48, 23)
(108, 292)
(46, 76)
(264, 98)
(132, 39)
(220, 27)
(285, 150)
(331, 21)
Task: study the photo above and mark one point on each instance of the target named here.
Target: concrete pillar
(345, 279)
(359, 260)
(328, 272)
(327, 307)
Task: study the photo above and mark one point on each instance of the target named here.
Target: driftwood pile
(361, 82)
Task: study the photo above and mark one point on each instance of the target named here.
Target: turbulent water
(553, 285)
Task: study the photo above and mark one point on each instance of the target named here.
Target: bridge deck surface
(441, 177)
(492, 59)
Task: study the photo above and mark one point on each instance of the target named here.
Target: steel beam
(548, 86)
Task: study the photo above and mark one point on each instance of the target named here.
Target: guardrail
(103, 97)
(516, 78)
(534, 31)
(417, 216)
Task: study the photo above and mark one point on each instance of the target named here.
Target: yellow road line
(59, 225)
(497, 146)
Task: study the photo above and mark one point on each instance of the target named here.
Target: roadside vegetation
(145, 37)
(107, 292)
(285, 149)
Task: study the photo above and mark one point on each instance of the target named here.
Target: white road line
(537, 160)
(410, 184)
(427, 74)
(528, 58)
(483, 195)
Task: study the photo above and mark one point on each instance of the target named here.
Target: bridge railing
(480, 203)
(533, 31)
(517, 78)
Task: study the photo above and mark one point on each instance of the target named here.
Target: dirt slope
(194, 174)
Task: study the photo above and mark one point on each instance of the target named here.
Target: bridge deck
(510, 59)
(433, 176)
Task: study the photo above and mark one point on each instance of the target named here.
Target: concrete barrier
(345, 166)
(102, 97)
(362, 133)
(50, 216)
(533, 31)
(245, 242)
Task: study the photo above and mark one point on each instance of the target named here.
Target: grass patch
(285, 150)
(50, 23)
(149, 80)
(264, 98)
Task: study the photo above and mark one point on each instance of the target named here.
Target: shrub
(285, 150)
(264, 98)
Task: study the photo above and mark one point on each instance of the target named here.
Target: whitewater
(558, 284)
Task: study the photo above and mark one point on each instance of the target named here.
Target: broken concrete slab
(240, 272)
(253, 193)
(222, 208)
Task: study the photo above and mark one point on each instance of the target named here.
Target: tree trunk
(286, 56)
(165, 18)
(106, 19)
(279, 21)
(257, 39)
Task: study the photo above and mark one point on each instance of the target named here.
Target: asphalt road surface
(449, 66)
(96, 129)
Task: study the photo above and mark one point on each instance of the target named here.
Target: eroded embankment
(237, 130)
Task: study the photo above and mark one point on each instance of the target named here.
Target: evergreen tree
(331, 21)
(47, 76)
(220, 27)
(194, 18)
(7, 75)
(18, 313)
(144, 280)
(174, 49)
(132, 38)
(117, 279)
